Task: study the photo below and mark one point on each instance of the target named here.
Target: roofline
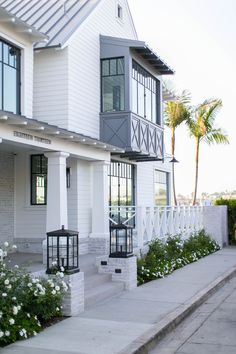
(57, 131)
(132, 21)
(37, 35)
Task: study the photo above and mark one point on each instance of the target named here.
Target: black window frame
(167, 177)
(17, 67)
(41, 174)
(110, 75)
(145, 78)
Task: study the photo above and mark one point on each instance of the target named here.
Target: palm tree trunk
(173, 165)
(196, 171)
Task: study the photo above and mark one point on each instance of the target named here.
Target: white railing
(158, 222)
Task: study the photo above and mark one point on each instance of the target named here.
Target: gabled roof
(57, 19)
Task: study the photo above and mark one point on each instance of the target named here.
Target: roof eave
(21, 26)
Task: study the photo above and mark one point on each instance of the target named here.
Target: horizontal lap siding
(6, 197)
(84, 65)
(51, 87)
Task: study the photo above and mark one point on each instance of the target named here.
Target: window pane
(113, 93)
(113, 70)
(38, 179)
(154, 108)
(12, 57)
(10, 79)
(148, 104)
(161, 188)
(105, 68)
(114, 191)
(120, 66)
(140, 99)
(134, 96)
(5, 53)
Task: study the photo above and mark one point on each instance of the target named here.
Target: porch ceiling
(34, 125)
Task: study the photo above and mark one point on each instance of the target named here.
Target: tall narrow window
(113, 85)
(161, 188)
(145, 94)
(119, 12)
(121, 188)
(38, 180)
(9, 77)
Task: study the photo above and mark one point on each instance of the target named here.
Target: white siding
(84, 64)
(30, 220)
(20, 40)
(145, 181)
(51, 86)
(7, 197)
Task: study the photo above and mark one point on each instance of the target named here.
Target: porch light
(121, 241)
(62, 251)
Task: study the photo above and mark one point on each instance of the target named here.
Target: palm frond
(216, 136)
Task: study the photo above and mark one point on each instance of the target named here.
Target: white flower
(57, 309)
(19, 307)
(7, 333)
(6, 282)
(9, 286)
(57, 288)
(0, 314)
(28, 315)
(34, 333)
(14, 298)
(11, 321)
(62, 269)
(15, 310)
(4, 294)
(29, 285)
(16, 266)
(1, 334)
(53, 292)
(6, 244)
(14, 247)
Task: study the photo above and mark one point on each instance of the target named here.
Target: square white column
(56, 191)
(99, 238)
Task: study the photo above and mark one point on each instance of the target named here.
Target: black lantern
(121, 241)
(62, 251)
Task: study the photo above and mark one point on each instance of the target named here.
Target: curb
(148, 340)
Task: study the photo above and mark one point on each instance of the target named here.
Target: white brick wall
(7, 197)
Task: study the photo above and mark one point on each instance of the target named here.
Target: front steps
(97, 287)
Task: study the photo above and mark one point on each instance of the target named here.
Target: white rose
(11, 321)
(7, 333)
(6, 244)
(6, 282)
(1, 334)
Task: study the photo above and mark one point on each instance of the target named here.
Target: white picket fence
(158, 222)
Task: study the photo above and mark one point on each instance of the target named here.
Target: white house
(81, 125)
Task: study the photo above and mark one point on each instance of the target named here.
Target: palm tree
(201, 127)
(176, 112)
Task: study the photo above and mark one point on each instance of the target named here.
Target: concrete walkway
(133, 321)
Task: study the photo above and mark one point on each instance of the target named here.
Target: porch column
(56, 191)
(99, 238)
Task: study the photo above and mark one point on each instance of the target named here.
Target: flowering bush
(164, 257)
(26, 302)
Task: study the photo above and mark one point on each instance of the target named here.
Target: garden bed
(165, 257)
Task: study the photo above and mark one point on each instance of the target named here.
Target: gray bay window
(9, 77)
(161, 180)
(145, 94)
(113, 85)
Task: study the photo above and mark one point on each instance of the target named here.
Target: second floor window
(113, 85)
(145, 94)
(38, 180)
(9, 78)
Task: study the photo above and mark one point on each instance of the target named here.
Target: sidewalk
(130, 322)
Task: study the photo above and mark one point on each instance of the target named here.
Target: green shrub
(164, 257)
(26, 303)
(231, 207)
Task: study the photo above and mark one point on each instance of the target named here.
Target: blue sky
(197, 39)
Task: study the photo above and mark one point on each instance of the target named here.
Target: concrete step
(95, 280)
(100, 293)
(87, 264)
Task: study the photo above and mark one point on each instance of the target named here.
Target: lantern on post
(121, 241)
(62, 251)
